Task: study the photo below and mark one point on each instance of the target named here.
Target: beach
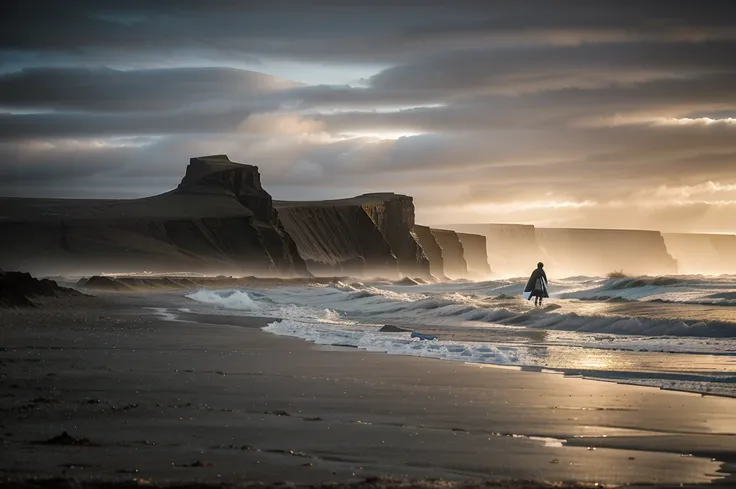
(166, 396)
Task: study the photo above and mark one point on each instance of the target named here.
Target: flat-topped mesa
(453, 253)
(370, 231)
(432, 250)
(217, 174)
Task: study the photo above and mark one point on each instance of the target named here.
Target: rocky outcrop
(219, 220)
(219, 176)
(712, 254)
(431, 249)
(476, 256)
(597, 252)
(512, 249)
(453, 253)
(19, 289)
(368, 235)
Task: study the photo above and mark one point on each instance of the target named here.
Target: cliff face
(365, 235)
(431, 249)
(338, 240)
(476, 256)
(703, 253)
(394, 216)
(204, 225)
(453, 253)
(600, 251)
(512, 249)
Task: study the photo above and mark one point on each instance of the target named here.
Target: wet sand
(213, 398)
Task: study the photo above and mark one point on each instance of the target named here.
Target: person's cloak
(530, 290)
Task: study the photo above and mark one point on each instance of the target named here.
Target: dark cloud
(347, 31)
(58, 125)
(535, 68)
(547, 111)
(104, 89)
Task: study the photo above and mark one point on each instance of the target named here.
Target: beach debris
(66, 439)
(127, 407)
(77, 466)
(278, 412)
(198, 463)
(423, 336)
(288, 452)
(144, 442)
(43, 400)
(389, 328)
(235, 447)
(314, 418)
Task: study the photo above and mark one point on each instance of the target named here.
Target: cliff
(453, 253)
(597, 252)
(365, 235)
(512, 249)
(476, 255)
(703, 253)
(431, 249)
(338, 240)
(515, 249)
(219, 220)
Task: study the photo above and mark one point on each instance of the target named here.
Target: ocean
(675, 333)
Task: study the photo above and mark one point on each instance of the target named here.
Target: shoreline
(177, 315)
(230, 317)
(436, 419)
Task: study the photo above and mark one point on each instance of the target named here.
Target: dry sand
(215, 399)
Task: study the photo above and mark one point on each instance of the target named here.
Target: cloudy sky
(578, 113)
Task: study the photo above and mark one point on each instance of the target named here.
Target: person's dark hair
(540, 265)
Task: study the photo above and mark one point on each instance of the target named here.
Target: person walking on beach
(537, 285)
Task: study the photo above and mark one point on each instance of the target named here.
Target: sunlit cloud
(701, 121)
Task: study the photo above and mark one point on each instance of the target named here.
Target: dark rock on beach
(18, 289)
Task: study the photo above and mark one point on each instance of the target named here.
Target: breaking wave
(650, 330)
(491, 303)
